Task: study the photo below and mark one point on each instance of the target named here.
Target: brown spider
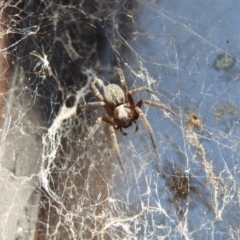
(119, 105)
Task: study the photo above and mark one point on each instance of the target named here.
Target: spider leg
(148, 127)
(96, 91)
(93, 104)
(158, 105)
(141, 89)
(98, 104)
(123, 82)
(116, 148)
(97, 125)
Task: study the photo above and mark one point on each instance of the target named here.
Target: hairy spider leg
(97, 125)
(158, 105)
(112, 136)
(141, 89)
(116, 148)
(96, 92)
(93, 104)
(99, 104)
(148, 127)
(123, 82)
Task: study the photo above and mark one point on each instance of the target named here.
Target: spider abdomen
(113, 95)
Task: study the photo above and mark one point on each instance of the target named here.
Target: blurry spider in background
(119, 105)
(44, 63)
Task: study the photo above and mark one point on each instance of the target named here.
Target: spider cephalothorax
(119, 105)
(121, 110)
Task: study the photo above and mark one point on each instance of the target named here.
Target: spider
(119, 105)
(45, 64)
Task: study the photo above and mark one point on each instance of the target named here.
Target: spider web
(55, 185)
